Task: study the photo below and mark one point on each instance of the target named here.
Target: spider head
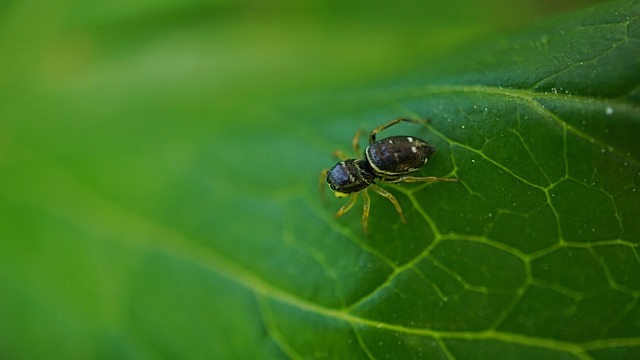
(349, 176)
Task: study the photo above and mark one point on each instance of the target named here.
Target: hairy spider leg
(365, 211)
(355, 143)
(341, 155)
(412, 179)
(384, 193)
(346, 207)
(374, 132)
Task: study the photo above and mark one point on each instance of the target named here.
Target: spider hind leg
(374, 132)
(413, 179)
(384, 193)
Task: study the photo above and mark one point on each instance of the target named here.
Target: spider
(388, 160)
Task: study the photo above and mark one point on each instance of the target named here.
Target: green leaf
(177, 236)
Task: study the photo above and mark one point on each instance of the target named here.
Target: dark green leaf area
(621, 265)
(598, 125)
(413, 239)
(383, 343)
(492, 349)
(593, 53)
(627, 319)
(432, 296)
(527, 232)
(520, 161)
(585, 213)
(574, 268)
(554, 312)
(507, 192)
(480, 265)
(492, 125)
(616, 353)
(625, 202)
(606, 69)
(310, 342)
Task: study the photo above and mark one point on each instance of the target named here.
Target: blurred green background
(115, 115)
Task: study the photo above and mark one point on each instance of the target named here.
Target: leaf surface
(155, 237)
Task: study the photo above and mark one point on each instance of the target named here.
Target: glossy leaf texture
(216, 242)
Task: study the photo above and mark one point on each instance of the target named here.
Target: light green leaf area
(180, 237)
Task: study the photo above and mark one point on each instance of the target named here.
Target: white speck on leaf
(609, 110)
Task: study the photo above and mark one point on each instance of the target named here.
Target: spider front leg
(322, 184)
(346, 207)
(374, 132)
(340, 155)
(365, 209)
(355, 143)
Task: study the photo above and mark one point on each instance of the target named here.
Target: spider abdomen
(398, 155)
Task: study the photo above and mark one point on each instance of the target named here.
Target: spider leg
(391, 198)
(417, 179)
(322, 184)
(340, 155)
(365, 212)
(355, 143)
(346, 207)
(374, 132)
